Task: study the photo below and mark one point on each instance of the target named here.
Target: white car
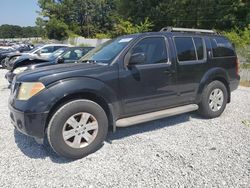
(42, 51)
(45, 50)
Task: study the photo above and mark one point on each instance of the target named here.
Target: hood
(13, 54)
(50, 74)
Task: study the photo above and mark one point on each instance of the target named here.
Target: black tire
(57, 123)
(3, 64)
(204, 109)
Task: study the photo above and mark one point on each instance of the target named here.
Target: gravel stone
(180, 151)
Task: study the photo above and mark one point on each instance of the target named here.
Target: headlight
(19, 70)
(29, 89)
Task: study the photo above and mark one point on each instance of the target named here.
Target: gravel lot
(181, 151)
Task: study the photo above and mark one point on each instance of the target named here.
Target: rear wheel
(214, 100)
(77, 129)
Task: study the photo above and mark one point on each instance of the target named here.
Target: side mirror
(60, 60)
(137, 58)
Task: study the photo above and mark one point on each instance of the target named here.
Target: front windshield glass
(57, 53)
(107, 51)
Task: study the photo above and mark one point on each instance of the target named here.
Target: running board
(155, 115)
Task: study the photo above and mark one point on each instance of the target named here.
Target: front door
(150, 84)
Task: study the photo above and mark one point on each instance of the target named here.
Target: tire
(212, 104)
(63, 122)
(3, 64)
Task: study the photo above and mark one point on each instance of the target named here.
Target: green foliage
(219, 14)
(83, 17)
(57, 29)
(125, 27)
(102, 18)
(241, 39)
(14, 31)
(83, 45)
(102, 36)
(238, 37)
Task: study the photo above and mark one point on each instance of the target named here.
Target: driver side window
(154, 49)
(48, 49)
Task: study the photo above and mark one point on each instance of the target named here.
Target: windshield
(107, 51)
(57, 53)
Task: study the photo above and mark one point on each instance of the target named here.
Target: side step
(155, 115)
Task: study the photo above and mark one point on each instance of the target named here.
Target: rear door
(148, 86)
(191, 57)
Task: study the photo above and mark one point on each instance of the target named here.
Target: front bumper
(10, 76)
(31, 124)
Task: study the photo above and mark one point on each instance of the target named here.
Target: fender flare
(82, 85)
(216, 73)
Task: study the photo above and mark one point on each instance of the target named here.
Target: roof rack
(176, 29)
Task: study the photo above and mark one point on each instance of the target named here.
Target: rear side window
(199, 47)
(185, 48)
(222, 47)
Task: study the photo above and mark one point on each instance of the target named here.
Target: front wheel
(77, 129)
(3, 64)
(214, 100)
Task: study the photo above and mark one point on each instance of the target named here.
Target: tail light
(237, 66)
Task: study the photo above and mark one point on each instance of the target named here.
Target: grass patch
(246, 122)
(245, 66)
(245, 83)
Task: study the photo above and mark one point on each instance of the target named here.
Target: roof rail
(176, 29)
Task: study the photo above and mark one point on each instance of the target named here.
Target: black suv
(125, 81)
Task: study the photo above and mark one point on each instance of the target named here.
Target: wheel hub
(80, 130)
(216, 99)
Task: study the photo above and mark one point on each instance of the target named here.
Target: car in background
(42, 51)
(15, 49)
(62, 55)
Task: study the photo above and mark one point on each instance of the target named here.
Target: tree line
(109, 18)
(15, 31)
(60, 19)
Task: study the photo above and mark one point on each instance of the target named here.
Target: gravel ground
(181, 151)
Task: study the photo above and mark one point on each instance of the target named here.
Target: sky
(18, 12)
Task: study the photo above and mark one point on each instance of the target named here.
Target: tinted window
(58, 47)
(73, 54)
(154, 48)
(199, 47)
(185, 48)
(48, 49)
(221, 47)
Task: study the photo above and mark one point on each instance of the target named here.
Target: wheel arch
(82, 95)
(84, 88)
(210, 76)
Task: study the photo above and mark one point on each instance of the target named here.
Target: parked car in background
(63, 55)
(15, 49)
(42, 51)
(125, 81)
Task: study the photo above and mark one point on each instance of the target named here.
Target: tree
(56, 29)
(83, 17)
(14, 31)
(90, 17)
